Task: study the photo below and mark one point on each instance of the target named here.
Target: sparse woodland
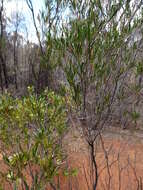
(83, 76)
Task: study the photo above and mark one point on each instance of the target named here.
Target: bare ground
(120, 162)
(124, 158)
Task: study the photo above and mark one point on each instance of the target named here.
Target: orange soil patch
(125, 163)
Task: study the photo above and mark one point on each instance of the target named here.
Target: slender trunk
(1, 81)
(30, 5)
(5, 73)
(15, 64)
(94, 164)
(4, 69)
(3, 62)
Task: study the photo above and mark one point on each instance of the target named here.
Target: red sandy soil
(125, 161)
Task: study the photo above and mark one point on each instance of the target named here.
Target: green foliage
(135, 115)
(139, 68)
(70, 172)
(31, 132)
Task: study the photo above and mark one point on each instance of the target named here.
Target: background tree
(16, 23)
(3, 68)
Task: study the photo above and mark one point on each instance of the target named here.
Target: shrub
(31, 131)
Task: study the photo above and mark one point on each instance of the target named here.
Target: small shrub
(31, 130)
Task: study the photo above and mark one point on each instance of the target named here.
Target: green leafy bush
(31, 131)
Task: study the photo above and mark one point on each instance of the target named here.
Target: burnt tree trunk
(15, 61)
(3, 67)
